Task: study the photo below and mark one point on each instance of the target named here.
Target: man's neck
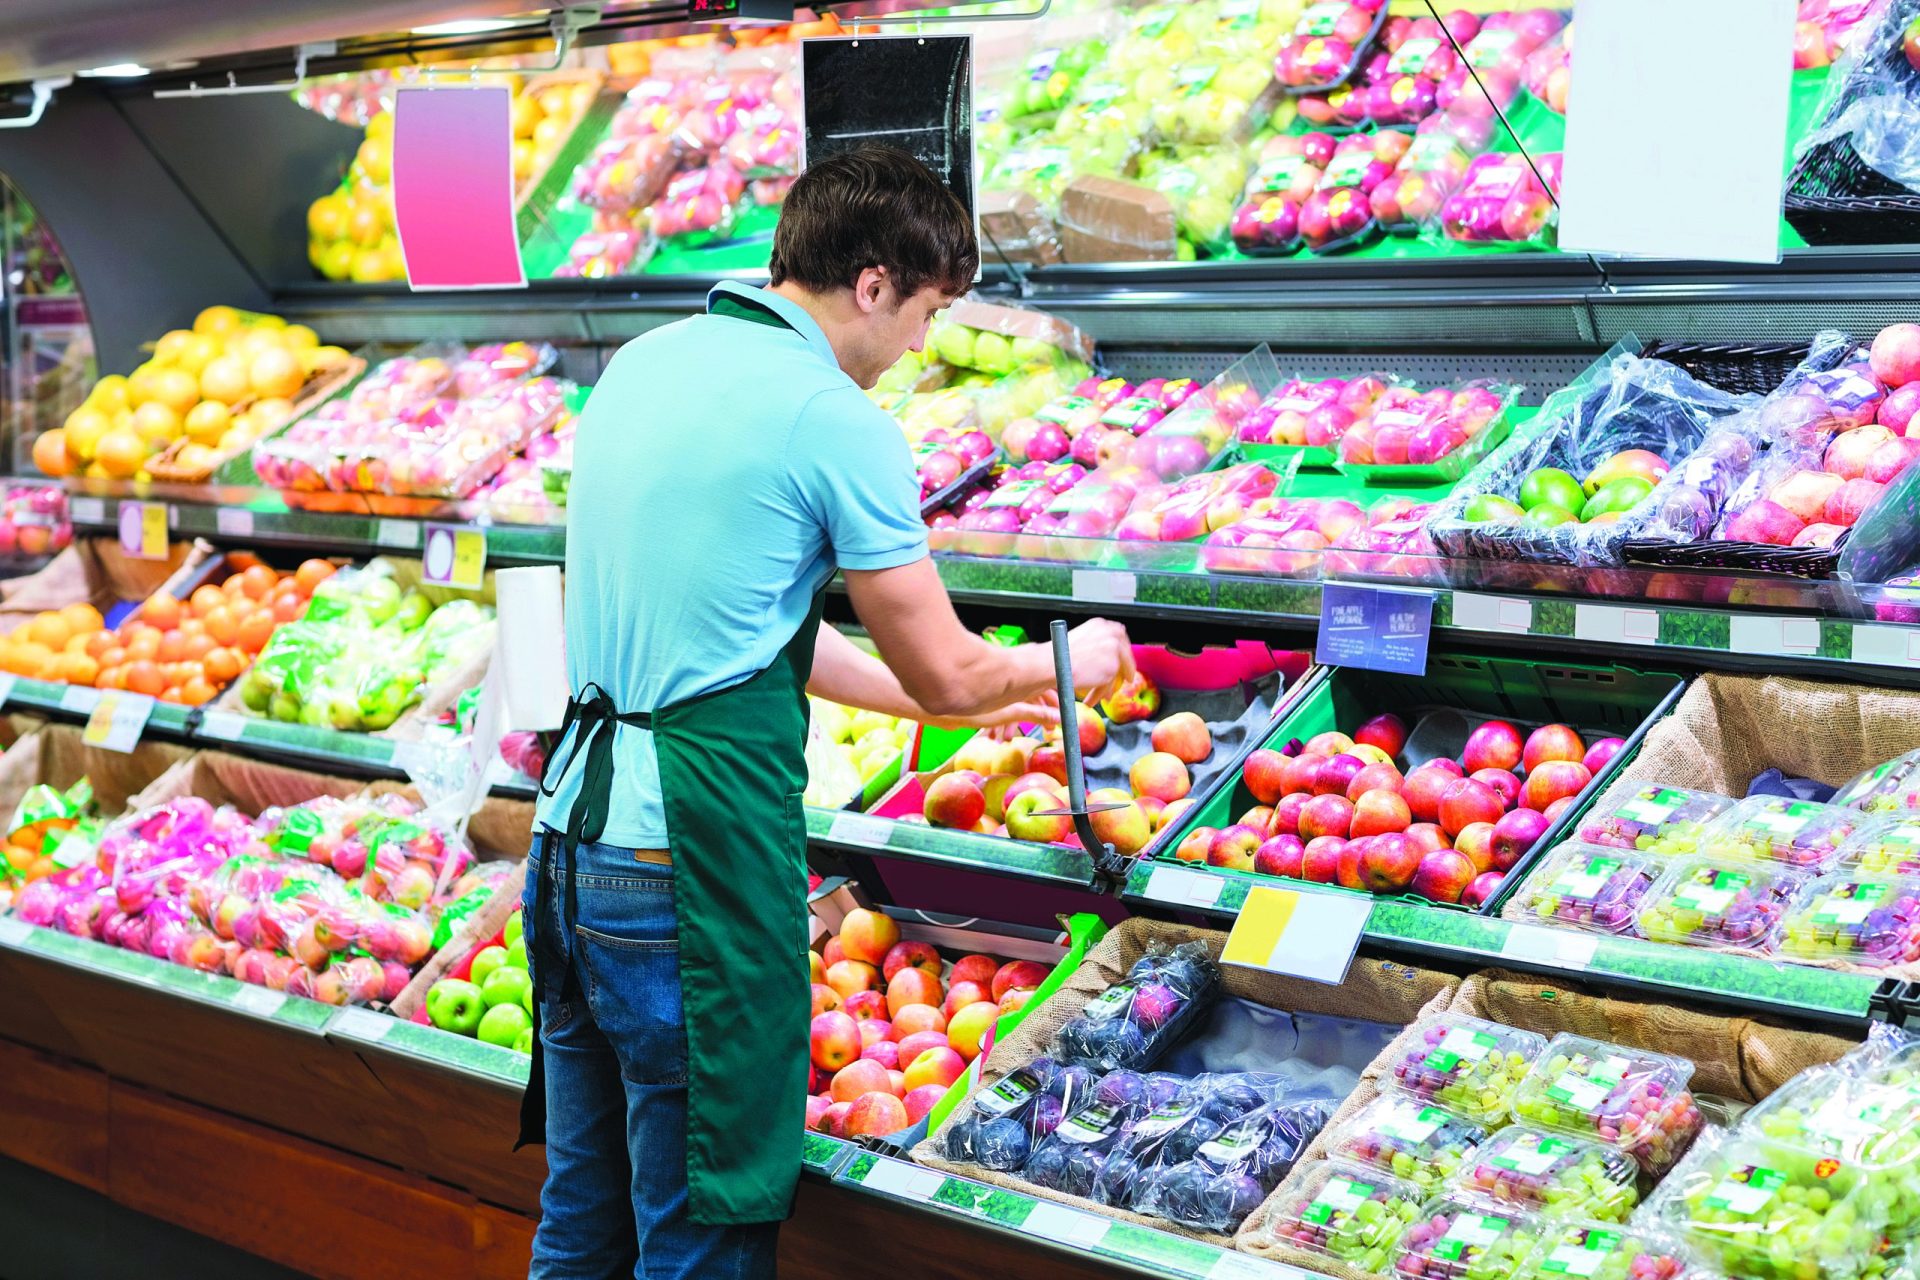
(831, 311)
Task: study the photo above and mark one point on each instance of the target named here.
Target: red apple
(1560, 806)
(1600, 753)
(977, 969)
(1378, 812)
(1467, 802)
(1286, 814)
(1504, 784)
(874, 1030)
(1234, 847)
(1260, 817)
(1443, 875)
(1494, 745)
(1328, 815)
(1554, 779)
(1093, 730)
(1423, 789)
(920, 1101)
(1015, 975)
(1300, 774)
(863, 1006)
(1161, 775)
(1320, 860)
(1337, 774)
(1484, 886)
(833, 1121)
(850, 976)
(921, 1042)
(1374, 776)
(1280, 856)
(1387, 732)
(834, 1041)
(1551, 742)
(1125, 826)
(1051, 760)
(1183, 735)
(910, 955)
(1476, 841)
(962, 994)
(1428, 836)
(955, 800)
(1514, 834)
(1170, 814)
(884, 1052)
(1194, 847)
(911, 986)
(1348, 875)
(1156, 813)
(1330, 743)
(825, 999)
(1264, 773)
(1388, 863)
(816, 1110)
(868, 935)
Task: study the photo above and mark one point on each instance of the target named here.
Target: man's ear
(870, 290)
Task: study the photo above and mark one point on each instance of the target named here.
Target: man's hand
(1102, 656)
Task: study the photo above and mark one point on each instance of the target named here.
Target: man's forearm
(843, 672)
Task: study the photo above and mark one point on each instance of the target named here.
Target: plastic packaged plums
(1232, 1173)
(1188, 1112)
(1072, 1158)
(1005, 1123)
(1132, 1023)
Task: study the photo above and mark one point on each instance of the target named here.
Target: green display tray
(385, 1033)
(1447, 470)
(883, 836)
(1277, 456)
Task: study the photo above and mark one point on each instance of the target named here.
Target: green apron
(732, 772)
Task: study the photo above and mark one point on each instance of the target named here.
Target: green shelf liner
(464, 1053)
(151, 971)
(959, 848)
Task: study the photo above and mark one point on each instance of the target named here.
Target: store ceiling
(45, 38)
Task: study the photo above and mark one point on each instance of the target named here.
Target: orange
(113, 656)
(233, 584)
(162, 611)
(196, 691)
(173, 647)
(194, 648)
(143, 677)
(311, 574)
(50, 452)
(77, 642)
(177, 673)
(112, 678)
(170, 694)
(99, 643)
(50, 669)
(78, 668)
(259, 581)
(208, 598)
(83, 617)
(144, 647)
(122, 453)
(256, 630)
(50, 629)
(223, 665)
(223, 626)
(288, 608)
(217, 320)
(42, 868)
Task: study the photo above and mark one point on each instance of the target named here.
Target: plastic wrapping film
(1874, 98)
(1329, 44)
(1400, 78)
(1172, 1129)
(1286, 170)
(1231, 1174)
(1339, 213)
(1202, 184)
(1504, 197)
(1622, 403)
(1005, 1126)
(1132, 1023)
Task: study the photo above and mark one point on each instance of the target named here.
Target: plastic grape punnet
(1800, 834)
(1656, 818)
(1551, 1173)
(1468, 1065)
(1633, 1099)
(1409, 1139)
(1892, 787)
(1584, 1250)
(1352, 1213)
(1459, 1237)
(1864, 919)
(1593, 887)
(1707, 902)
(1888, 845)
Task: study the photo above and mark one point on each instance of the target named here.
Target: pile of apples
(894, 1025)
(34, 521)
(1018, 788)
(1287, 537)
(860, 743)
(494, 1000)
(219, 386)
(1341, 812)
(1872, 404)
(179, 651)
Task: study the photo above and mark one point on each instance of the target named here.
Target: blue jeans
(615, 1200)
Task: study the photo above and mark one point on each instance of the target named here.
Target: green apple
(506, 985)
(379, 599)
(284, 706)
(1620, 495)
(453, 1005)
(413, 610)
(504, 1024)
(1491, 508)
(515, 928)
(517, 954)
(1551, 487)
(485, 961)
(523, 1043)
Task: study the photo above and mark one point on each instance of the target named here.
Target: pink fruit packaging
(1500, 196)
(1416, 192)
(1338, 214)
(1327, 45)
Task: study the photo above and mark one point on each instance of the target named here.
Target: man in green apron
(724, 469)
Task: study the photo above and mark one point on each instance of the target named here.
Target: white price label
(14, 932)
(1473, 612)
(364, 1024)
(1561, 948)
(1184, 888)
(860, 828)
(227, 726)
(910, 1182)
(1773, 636)
(87, 511)
(1882, 645)
(1066, 1226)
(78, 697)
(1104, 586)
(234, 522)
(117, 719)
(261, 1000)
(1238, 1266)
(397, 533)
(1610, 624)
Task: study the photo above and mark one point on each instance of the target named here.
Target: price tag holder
(1302, 935)
(1886, 646)
(224, 725)
(455, 556)
(400, 534)
(87, 511)
(898, 1178)
(14, 932)
(1610, 624)
(79, 698)
(1374, 629)
(234, 522)
(860, 829)
(1066, 1226)
(364, 1024)
(1773, 637)
(143, 530)
(1503, 614)
(1184, 888)
(1104, 586)
(1561, 948)
(261, 1000)
(117, 720)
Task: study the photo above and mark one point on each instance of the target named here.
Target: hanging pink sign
(453, 188)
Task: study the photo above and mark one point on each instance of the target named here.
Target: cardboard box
(1106, 220)
(1014, 228)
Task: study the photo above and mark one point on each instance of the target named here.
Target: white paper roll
(532, 630)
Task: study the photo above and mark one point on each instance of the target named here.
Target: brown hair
(874, 207)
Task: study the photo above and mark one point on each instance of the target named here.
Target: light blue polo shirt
(722, 470)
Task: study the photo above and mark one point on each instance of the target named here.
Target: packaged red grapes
(1892, 787)
(1593, 887)
(1585, 1250)
(1704, 902)
(1130, 1024)
(1552, 1173)
(1351, 1213)
(1409, 1139)
(1004, 1123)
(1462, 1237)
(1658, 819)
(1886, 845)
(1801, 834)
(1467, 1064)
(1631, 1098)
(1855, 917)
(1232, 1173)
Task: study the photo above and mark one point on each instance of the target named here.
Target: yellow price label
(455, 557)
(100, 723)
(1303, 934)
(143, 530)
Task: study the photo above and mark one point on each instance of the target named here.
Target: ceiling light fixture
(468, 27)
(115, 70)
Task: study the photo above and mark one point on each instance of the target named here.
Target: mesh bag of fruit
(1635, 449)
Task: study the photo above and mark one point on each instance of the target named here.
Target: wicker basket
(1835, 197)
(165, 465)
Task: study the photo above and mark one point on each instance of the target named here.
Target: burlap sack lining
(1741, 1058)
(92, 571)
(1727, 730)
(1375, 990)
(55, 755)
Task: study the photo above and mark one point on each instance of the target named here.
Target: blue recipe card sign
(1374, 629)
